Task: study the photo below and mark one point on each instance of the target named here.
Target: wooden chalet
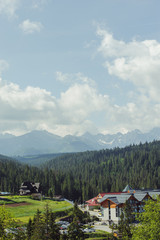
(28, 188)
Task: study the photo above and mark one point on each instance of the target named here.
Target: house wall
(110, 212)
(113, 216)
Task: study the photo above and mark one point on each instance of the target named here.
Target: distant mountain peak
(87, 134)
(43, 142)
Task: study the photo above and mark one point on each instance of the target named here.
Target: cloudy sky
(71, 66)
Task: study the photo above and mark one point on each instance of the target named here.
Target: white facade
(111, 214)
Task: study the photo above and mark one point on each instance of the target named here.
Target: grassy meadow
(24, 207)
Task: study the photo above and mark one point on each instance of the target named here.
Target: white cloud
(62, 77)
(136, 61)
(74, 78)
(9, 7)
(79, 101)
(135, 115)
(25, 107)
(76, 129)
(29, 27)
(33, 98)
(35, 108)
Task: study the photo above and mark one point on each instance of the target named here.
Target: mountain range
(43, 142)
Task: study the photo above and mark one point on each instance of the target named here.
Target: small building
(92, 203)
(28, 188)
(5, 193)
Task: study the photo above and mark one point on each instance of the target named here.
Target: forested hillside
(82, 176)
(110, 170)
(12, 174)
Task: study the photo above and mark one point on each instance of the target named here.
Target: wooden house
(28, 188)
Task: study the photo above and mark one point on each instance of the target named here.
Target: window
(117, 211)
(109, 210)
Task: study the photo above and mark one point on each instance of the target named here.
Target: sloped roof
(114, 199)
(140, 196)
(127, 188)
(117, 199)
(37, 185)
(29, 187)
(102, 194)
(92, 202)
(105, 197)
(109, 193)
(154, 193)
(123, 197)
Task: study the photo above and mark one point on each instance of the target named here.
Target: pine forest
(81, 176)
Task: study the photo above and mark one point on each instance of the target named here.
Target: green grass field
(99, 234)
(23, 207)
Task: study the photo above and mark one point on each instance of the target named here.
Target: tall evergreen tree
(51, 228)
(126, 219)
(29, 229)
(38, 227)
(74, 230)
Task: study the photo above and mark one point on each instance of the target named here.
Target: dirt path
(17, 204)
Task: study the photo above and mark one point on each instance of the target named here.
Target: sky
(70, 67)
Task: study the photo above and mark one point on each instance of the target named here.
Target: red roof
(92, 202)
(114, 193)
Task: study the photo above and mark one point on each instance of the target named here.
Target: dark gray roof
(107, 196)
(122, 198)
(153, 193)
(114, 199)
(117, 199)
(140, 196)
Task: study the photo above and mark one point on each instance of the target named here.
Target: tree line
(81, 176)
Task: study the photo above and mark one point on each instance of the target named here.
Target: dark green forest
(80, 176)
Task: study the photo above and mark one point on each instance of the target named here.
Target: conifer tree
(126, 218)
(74, 230)
(38, 227)
(51, 228)
(29, 229)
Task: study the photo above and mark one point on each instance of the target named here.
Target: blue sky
(71, 66)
